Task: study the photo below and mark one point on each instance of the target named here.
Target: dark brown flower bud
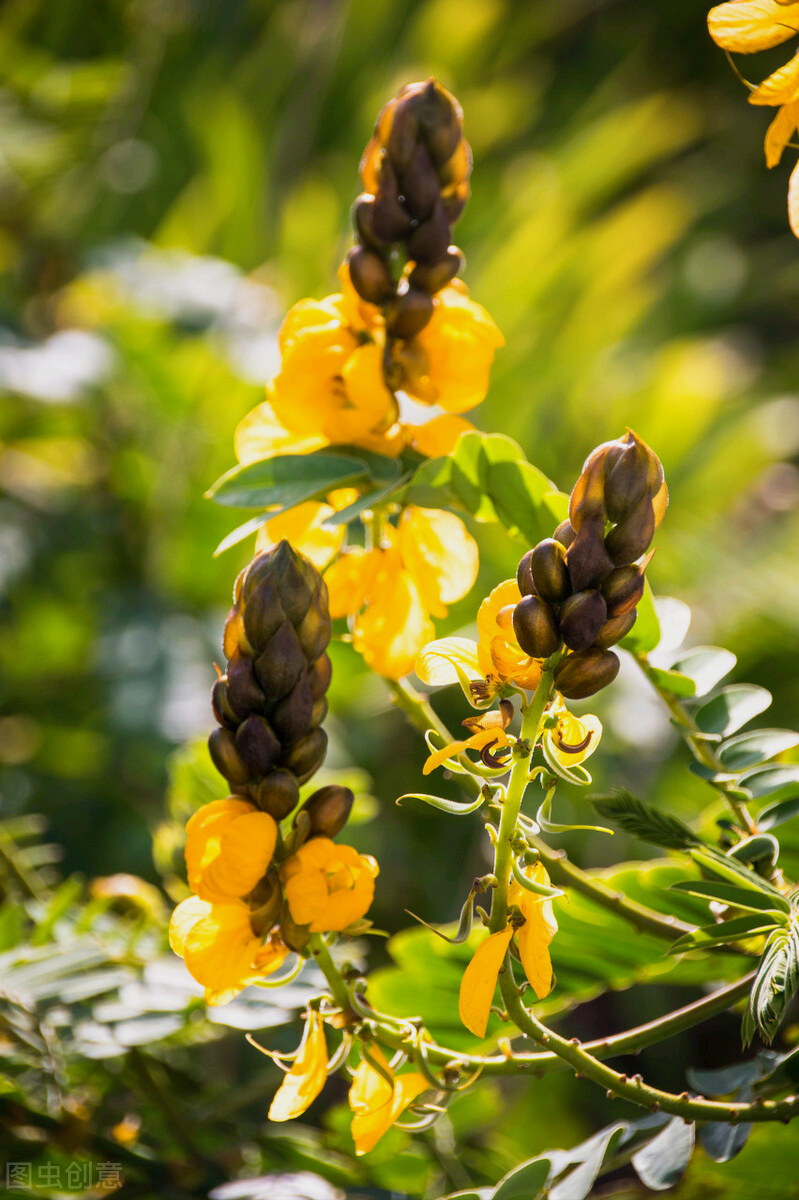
(419, 183)
(291, 718)
(623, 590)
(581, 618)
(429, 241)
(277, 794)
(243, 692)
(565, 533)
(403, 137)
(319, 710)
(587, 558)
(454, 201)
(615, 629)
(582, 674)
(407, 314)
(282, 662)
(314, 630)
(436, 276)
(296, 580)
(329, 809)
(370, 275)
(524, 575)
(319, 676)
(390, 219)
(265, 902)
(633, 472)
(262, 614)
(226, 757)
(295, 936)
(257, 745)
(363, 216)
(549, 571)
(588, 495)
(440, 120)
(307, 755)
(628, 540)
(234, 637)
(223, 710)
(535, 627)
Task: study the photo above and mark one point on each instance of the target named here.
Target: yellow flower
(533, 938)
(304, 527)
(328, 886)
(377, 1103)
(428, 562)
(497, 658)
(438, 437)
(489, 735)
(572, 739)
(229, 846)
(220, 948)
(307, 1077)
(778, 134)
(746, 26)
(449, 361)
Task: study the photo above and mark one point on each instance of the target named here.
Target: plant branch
(324, 961)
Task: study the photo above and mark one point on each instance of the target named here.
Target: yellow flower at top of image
(426, 563)
(572, 739)
(379, 1098)
(220, 948)
(533, 937)
(328, 886)
(229, 846)
(307, 1076)
(747, 26)
(494, 660)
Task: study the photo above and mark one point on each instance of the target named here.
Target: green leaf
(706, 665)
(525, 1182)
(672, 681)
(244, 531)
(774, 987)
(780, 781)
(287, 480)
(381, 468)
(729, 869)
(369, 500)
(722, 933)
(777, 814)
(675, 620)
(730, 893)
(661, 1162)
(733, 707)
(579, 1182)
(522, 497)
(722, 1141)
(643, 821)
(751, 749)
(645, 633)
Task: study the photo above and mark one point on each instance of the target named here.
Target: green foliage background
(173, 175)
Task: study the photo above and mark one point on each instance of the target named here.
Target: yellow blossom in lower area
(378, 1099)
(426, 563)
(572, 739)
(496, 658)
(328, 886)
(229, 846)
(307, 1076)
(219, 947)
(532, 937)
(489, 735)
(449, 361)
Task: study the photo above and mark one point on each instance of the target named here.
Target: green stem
(338, 987)
(634, 1089)
(519, 778)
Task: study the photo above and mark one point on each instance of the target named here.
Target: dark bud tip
(615, 629)
(243, 692)
(277, 794)
(631, 538)
(281, 662)
(436, 276)
(419, 183)
(319, 675)
(226, 757)
(257, 745)
(363, 217)
(582, 674)
(295, 936)
(587, 557)
(581, 618)
(329, 809)
(370, 275)
(535, 627)
(292, 717)
(221, 705)
(524, 575)
(306, 756)
(623, 589)
(429, 242)
(408, 314)
(565, 533)
(549, 571)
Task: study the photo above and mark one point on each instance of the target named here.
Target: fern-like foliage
(644, 821)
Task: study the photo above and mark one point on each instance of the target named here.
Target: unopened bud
(243, 691)
(295, 936)
(221, 705)
(581, 618)
(582, 674)
(429, 241)
(549, 571)
(363, 216)
(615, 629)
(587, 557)
(390, 220)
(319, 676)
(291, 718)
(329, 809)
(281, 663)
(565, 533)
(226, 757)
(407, 314)
(370, 275)
(265, 902)
(454, 201)
(257, 745)
(535, 627)
(403, 136)
(436, 276)
(277, 794)
(440, 120)
(635, 471)
(306, 756)
(296, 580)
(631, 538)
(419, 183)
(623, 589)
(588, 495)
(524, 575)
(315, 628)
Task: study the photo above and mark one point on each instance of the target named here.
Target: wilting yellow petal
(302, 526)
(782, 87)
(439, 436)
(437, 661)
(260, 435)
(371, 1089)
(440, 554)
(307, 1077)
(746, 26)
(376, 1103)
(483, 737)
(220, 951)
(480, 980)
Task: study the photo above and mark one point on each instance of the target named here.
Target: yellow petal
(392, 630)
(782, 87)
(440, 555)
(540, 926)
(370, 1089)
(204, 834)
(366, 387)
(349, 580)
(184, 918)
(793, 200)
(574, 738)
(746, 26)
(480, 980)
(437, 661)
(780, 132)
(245, 851)
(302, 526)
(483, 737)
(307, 1077)
(439, 436)
(220, 951)
(260, 435)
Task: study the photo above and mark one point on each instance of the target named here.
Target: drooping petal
(437, 661)
(438, 437)
(261, 435)
(440, 554)
(782, 87)
(220, 951)
(395, 626)
(746, 26)
(480, 981)
(477, 741)
(307, 1077)
(183, 919)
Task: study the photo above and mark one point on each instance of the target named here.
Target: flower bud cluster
(271, 702)
(580, 587)
(415, 172)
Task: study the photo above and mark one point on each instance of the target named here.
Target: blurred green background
(173, 175)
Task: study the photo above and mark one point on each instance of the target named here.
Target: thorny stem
(519, 778)
(634, 1089)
